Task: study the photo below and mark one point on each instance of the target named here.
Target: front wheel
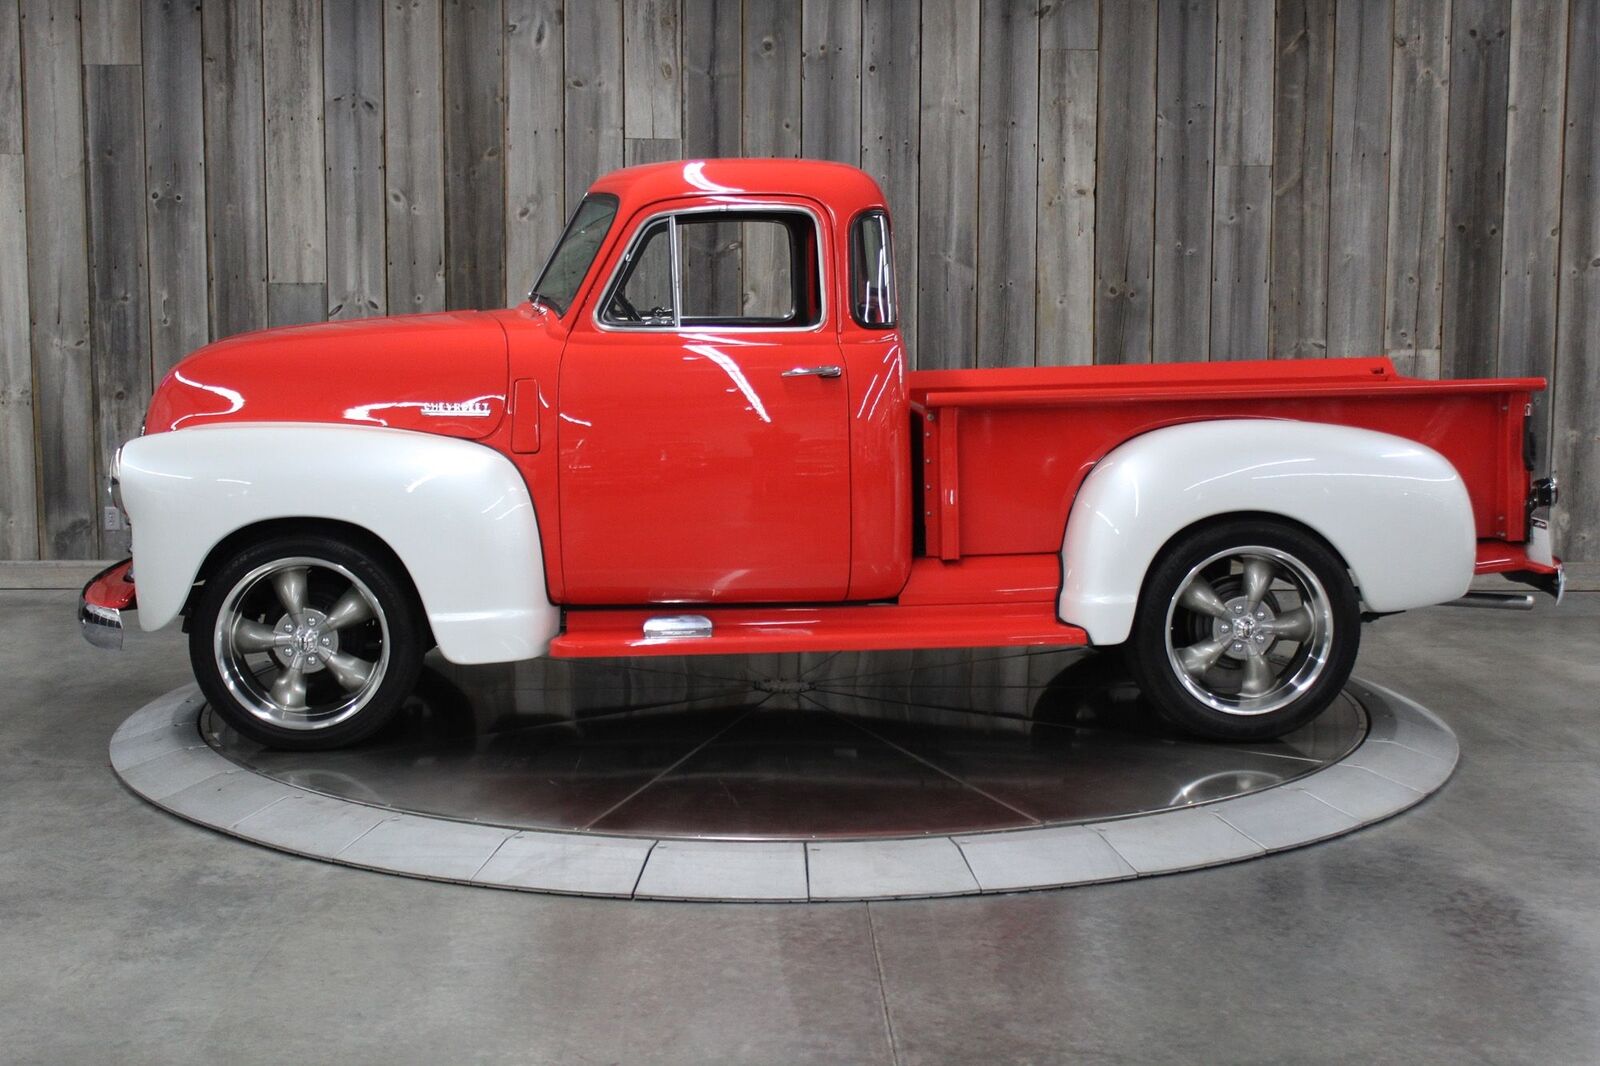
(1245, 630)
(306, 642)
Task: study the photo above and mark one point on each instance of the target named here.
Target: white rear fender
(457, 515)
(1396, 510)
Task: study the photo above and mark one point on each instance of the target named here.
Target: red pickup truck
(699, 435)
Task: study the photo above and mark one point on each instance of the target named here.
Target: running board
(602, 632)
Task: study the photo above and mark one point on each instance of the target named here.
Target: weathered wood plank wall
(1074, 180)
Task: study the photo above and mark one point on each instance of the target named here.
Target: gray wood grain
(119, 315)
(1125, 183)
(352, 130)
(1480, 57)
(652, 81)
(1070, 24)
(110, 31)
(1576, 453)
(1536, 92)
(1417, 134)
(772, 109)
(637, 150)
(413, 118)
(291, 63)
(1240, 262)
(1244, 82)
(1242, 210)
(594, 115)
(830, 87)
(290, 303)
(175, 178)
(891, 139)
(1008, 182)
(1358, 199)
(19, 512)
(713, 68)
(58, 277)
(474, 159)
(1064, 290)
(1302, 148)
(19, 521)
(535, 152)
(947, 239)
(235, 166)
(1186, 131)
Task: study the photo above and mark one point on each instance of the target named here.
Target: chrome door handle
(814, 372)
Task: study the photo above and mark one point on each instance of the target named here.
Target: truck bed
(1004, 451)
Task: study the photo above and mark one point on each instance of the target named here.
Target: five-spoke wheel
(305, 642)
(1245, 629)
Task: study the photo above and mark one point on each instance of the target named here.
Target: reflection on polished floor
(793, 746)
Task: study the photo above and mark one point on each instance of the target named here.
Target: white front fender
(1396, 510)
(457, 515)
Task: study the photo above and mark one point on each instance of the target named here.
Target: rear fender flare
(456, 514)
(1395, 510)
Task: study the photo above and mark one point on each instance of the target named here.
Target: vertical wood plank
(1008, 181)
(1480, 57)
(772, 110)
(1537, 84)
(1358, 198)
(297, 222)
(19, 518)
(1301, 163)
(1186, 81)
(119, 319)
(235, 166)
(110, 30)
(1069, 69)
(652, 85)
(891, 139)
(413, 159)
(712, 76)
(1577, 394)
(830, 88)
(594, 117)
(713, 68)
(637, 150)
(175, 163)
(1417, 134)
(1125, 182)
(947, 207)
(58, 276)
(535, 154)
(474, 163)
(352, 86)
(1242, 211)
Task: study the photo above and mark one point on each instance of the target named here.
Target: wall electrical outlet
(112, 522)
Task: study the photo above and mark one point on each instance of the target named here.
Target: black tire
(349, 676)
(1231, 698)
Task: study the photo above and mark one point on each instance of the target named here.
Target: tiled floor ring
(1408, 754)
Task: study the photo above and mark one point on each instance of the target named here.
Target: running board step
(599, 632)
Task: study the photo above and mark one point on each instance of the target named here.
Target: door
(703, 430)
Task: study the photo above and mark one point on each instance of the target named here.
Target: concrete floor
(1467, 930)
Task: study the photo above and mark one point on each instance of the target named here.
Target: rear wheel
(306, 642)
(1245, 630)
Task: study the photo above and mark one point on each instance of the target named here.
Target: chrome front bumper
(102, 604)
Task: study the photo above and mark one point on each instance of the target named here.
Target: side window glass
(643, 294)
(872, 301)
(743, 270)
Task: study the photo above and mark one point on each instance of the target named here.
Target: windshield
(558, 282)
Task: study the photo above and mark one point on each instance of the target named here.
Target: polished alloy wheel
(301, 643)
(1249, 630)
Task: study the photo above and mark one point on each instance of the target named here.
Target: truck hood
(438, 373)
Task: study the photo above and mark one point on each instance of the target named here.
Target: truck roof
(842, 188)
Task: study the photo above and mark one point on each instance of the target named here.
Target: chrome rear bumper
(101, 626)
